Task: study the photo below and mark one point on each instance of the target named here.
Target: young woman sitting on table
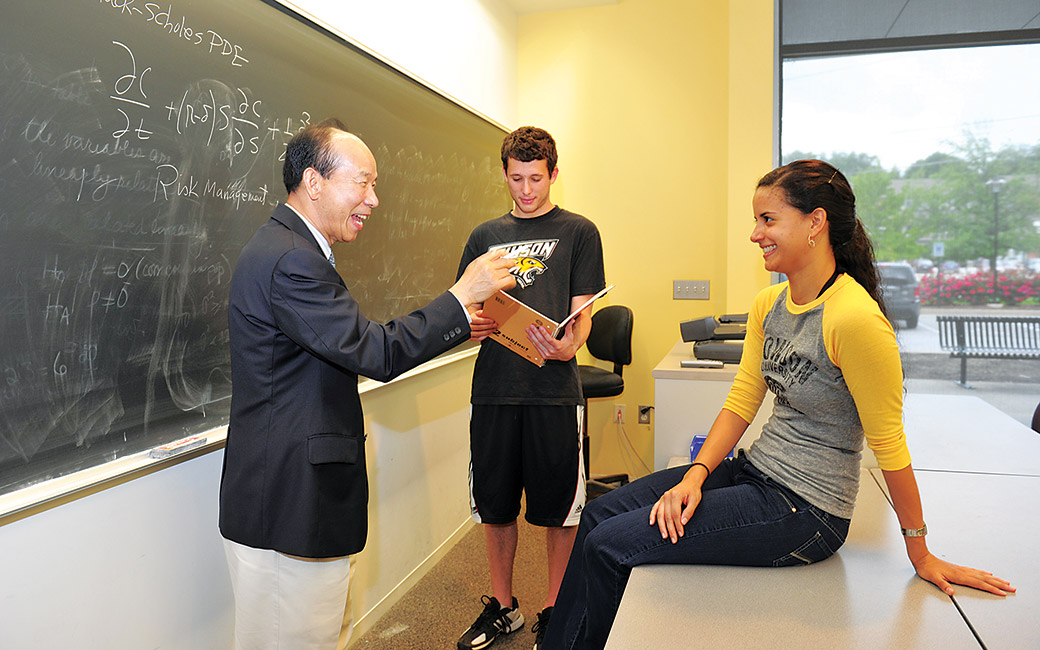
(821, 342)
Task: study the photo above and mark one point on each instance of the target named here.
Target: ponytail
(856, 257)
(811, 184)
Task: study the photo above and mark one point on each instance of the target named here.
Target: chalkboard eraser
(176, 447)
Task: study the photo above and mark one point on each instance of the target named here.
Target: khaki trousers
(284, 602)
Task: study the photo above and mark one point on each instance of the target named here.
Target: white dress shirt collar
(326, 248)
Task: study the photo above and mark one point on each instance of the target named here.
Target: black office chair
(610, 340)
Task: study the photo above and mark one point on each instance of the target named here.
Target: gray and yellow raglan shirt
(834, 368)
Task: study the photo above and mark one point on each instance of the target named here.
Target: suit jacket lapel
(286, 216)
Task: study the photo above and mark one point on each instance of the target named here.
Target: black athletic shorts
(531, 449)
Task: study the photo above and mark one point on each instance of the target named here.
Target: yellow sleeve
(749, 388)
(861, 342)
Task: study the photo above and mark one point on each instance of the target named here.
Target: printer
(716, 338)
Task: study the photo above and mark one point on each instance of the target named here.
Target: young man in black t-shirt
(525, 427)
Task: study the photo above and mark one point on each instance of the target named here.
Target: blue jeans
(744, 519)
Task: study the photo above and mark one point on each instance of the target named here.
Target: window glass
(943, 151)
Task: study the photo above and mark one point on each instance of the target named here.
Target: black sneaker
(494, 620)
(541, 626)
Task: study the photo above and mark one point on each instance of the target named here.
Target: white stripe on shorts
(579, 495)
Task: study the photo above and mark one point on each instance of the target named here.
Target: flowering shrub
(1011, 288)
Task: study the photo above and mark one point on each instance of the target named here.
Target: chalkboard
(140, 147)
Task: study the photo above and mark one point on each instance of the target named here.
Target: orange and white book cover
(514, 317)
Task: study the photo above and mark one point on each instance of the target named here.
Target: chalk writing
(129, 89)
(142, 147)
(156, 15)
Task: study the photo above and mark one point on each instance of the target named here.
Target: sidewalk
(1012, 385)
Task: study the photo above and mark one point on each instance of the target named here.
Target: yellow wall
(662, 111)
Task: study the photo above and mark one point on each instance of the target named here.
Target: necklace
(828, 283)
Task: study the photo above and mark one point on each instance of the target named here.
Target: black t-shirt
(559, 255)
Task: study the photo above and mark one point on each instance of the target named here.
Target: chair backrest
(611, 336)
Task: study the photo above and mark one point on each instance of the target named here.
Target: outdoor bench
(989, 337)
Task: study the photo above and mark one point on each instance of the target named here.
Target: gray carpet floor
(446, 601)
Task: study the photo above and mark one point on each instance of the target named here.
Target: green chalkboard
(140, 147)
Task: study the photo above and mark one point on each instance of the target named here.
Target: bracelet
(915, 532)
(706, 468)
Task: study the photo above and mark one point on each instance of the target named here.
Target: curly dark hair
(811, 184)
(529, 143)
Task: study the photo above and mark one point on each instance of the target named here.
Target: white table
(866, 596)
(989, 521)
(979, 475)
(967, 434)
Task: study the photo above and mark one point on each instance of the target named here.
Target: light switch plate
(690, 290)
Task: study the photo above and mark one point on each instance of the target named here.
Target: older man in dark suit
(294, 490)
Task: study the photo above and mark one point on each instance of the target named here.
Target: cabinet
(686, 402)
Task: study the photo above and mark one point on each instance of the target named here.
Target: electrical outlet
(690, 289)
(619, 413)
(644, 414)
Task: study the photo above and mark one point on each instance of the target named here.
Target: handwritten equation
(229, 120)
(176, 26)
(143, 144)
(234, 120)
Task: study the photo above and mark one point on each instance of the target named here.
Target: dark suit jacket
(294, 476)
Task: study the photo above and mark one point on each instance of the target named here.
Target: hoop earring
(812, 244)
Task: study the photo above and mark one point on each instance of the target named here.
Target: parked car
(899, 289)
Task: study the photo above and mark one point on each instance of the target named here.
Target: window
(939, 134)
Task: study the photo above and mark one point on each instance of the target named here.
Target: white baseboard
(368, 620)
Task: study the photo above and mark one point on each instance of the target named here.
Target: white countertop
(669, 367)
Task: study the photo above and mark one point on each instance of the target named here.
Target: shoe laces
(542, 623)
(492, 610)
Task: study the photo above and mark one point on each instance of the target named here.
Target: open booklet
(514, 317)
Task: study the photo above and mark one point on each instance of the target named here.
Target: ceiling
(820, 27)
(817, 26)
